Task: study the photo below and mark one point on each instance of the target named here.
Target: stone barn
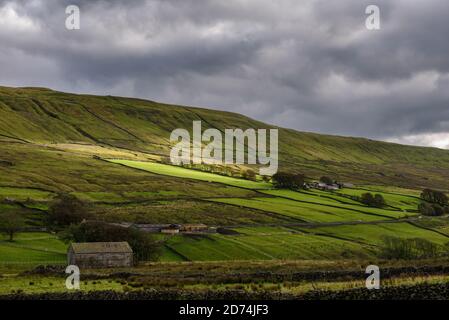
(100, 254)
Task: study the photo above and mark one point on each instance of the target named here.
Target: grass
(401, 201)
(185, 211)
(264, 244)
(373, 234)
(22, 194)
(136, 129)
(175, 171)
(43, 284)
(307, 212)
(329, 200)
(32, 248)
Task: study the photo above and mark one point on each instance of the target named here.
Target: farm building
(100, 254)
(170, 229)
(197, 227)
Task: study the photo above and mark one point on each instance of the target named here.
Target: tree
(431, 209)
(377, 200)
(144, 246)
(434, 196)
(326, 180)
(11, 223)
(66, 210)
(283, 180)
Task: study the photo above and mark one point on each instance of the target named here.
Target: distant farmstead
(100, 254)
(193, 227)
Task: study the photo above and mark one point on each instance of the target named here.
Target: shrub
(407, 249)
(326, 180)
(249, 175)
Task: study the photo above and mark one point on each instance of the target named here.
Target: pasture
(326, 199)
(303, 211)
(265, 244)
(373, 234)
(32, 248)
(176, 171)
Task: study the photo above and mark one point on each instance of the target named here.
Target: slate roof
(101, 247)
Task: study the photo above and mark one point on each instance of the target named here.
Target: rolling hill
(39, 125)
(111, 152)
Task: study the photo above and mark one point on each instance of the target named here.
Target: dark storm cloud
(310, 65)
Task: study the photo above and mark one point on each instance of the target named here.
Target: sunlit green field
(400, 201)
(180, 172)
(334, 201)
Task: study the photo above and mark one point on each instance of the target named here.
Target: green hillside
(112, 153)
(134, 129)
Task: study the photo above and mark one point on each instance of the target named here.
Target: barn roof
(101, 247)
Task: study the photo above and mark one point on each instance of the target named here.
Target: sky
(310, 65)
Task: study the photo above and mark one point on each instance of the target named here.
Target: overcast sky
(310, 65)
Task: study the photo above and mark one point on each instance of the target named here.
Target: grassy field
(264, 244)
(23, 194)
(330, 200)
(33, 248)
(400, 201)
(186, 211)
(180, 172)
(373, 234)
(306, 212)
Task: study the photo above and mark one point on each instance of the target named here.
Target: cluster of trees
(435, 203)
(434, 196)
(371, 200)
(284, 180)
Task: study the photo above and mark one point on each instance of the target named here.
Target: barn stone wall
(92, 260)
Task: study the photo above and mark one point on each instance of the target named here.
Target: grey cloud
(310, 65)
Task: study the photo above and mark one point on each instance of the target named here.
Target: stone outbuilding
(100, 254)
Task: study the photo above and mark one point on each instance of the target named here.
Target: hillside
(110, 152)
(43, 120)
